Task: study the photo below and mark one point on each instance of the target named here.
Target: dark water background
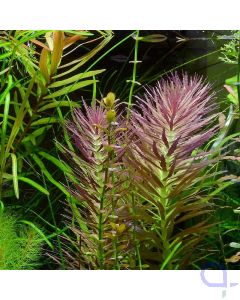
(158, 58)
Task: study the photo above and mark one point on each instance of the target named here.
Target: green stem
(102, 198)
(164, 236)
(136, 241)
(133, 74)
(100, 224)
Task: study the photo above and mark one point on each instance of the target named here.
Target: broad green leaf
(75, 78)
(69, 89)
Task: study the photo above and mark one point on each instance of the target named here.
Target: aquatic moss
(19, 246)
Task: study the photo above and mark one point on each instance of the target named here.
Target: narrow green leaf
(36, 133)
(5, 55)
(58, 104)
(39, 231)
(15, 176)
(69, 89)
(76, 32)
(45, 121)
(49, 176)
(43, 64)
(34, 184)
(75, 78)
(3, 153)
(20, 116)
(58, 40)
(170, 256)
(152, 38)
(4, 71)
(62, 166)
(82, 60)
(94, 92)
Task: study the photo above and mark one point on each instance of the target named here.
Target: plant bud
(109, 100)
(111, 116)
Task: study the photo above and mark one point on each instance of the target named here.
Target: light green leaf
(170, 256)
(75, 78)
(76, 32)
(28, 181)
(82, 60)
(34, 184)
(69, 89)
(45, 121)
(234, 245)
(61, 165)
(152, 38)
(36, 133)
(15, 176)
(48, 175)
(58, 104)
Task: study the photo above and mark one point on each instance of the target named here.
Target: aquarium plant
(20, 246)
(151, 167)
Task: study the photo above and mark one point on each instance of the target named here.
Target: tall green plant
(173, 119)
(35, 82)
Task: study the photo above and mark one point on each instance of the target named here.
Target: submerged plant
(230, 51)
(142, 193)
(19, 247)
(170, 123)
(97, 187)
